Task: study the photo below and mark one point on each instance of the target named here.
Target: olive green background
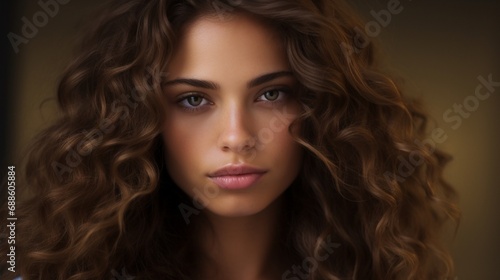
(436, 49)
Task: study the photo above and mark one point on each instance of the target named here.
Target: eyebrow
(214, 86)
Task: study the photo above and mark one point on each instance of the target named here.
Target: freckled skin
(234, 123)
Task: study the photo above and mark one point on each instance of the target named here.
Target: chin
(237, 207)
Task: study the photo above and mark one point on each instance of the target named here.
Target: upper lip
(236, 169)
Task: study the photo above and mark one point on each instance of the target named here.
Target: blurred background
(437, 50)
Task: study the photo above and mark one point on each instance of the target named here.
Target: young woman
(239, 139)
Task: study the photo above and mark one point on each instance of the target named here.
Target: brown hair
(97, 202)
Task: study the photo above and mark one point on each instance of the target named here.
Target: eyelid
(287, 90)
(179, 99)
(190, 93)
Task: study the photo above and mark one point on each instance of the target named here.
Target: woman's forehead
(221, 48)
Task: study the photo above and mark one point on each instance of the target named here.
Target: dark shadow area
(7, 10)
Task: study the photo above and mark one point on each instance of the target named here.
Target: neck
(243, 247)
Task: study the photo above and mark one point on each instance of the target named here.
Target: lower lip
(235, 182)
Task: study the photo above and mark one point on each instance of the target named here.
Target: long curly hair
(94, 204)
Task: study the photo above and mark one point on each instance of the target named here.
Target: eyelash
(284, 93)
(189, 108)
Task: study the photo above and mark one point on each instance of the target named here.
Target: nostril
(239, 144)
(236, 132)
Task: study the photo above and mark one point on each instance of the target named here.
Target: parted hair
(98, 201)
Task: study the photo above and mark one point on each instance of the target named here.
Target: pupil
(194, 100)
(272, 95)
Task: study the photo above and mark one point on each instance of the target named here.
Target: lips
(236, 176)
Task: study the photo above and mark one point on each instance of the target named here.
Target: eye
(272, 95)
(193, 102)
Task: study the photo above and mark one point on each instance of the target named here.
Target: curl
(100, 199)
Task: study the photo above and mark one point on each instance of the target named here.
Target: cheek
(184, 136)
(285, 151)
(276, 143)
(184, 143)
(274, 126)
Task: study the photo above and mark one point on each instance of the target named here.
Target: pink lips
(236, 176)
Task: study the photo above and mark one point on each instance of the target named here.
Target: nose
(236, 130)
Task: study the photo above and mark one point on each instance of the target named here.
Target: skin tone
(230, 101)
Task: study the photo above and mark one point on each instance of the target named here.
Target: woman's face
(229, 104)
